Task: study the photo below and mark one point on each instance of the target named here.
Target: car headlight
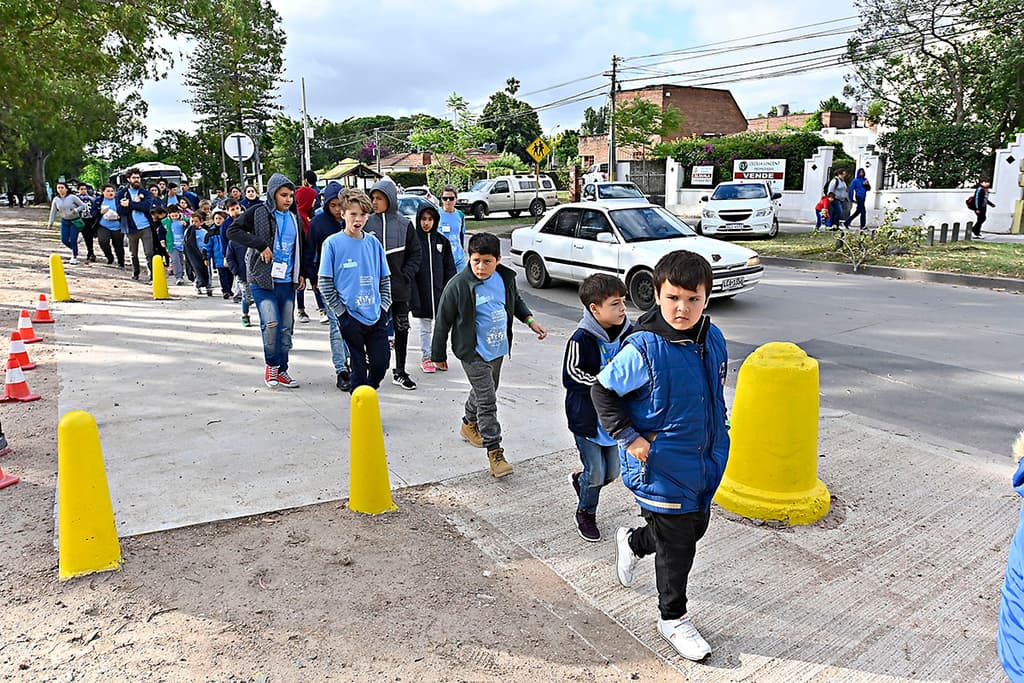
(708, 213)
(754, 261)
(763, 212)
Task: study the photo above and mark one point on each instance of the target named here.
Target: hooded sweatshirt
(257, 230)
(401, 247)
(590, 348)
(67, 206)
(437, 269)
(321, 227)
(859, 187)
(1010, 637)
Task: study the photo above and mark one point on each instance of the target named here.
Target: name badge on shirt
(446, 228)
(480, 300)
(279, 270)
(349, 264)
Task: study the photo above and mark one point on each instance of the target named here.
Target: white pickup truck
(512, 193)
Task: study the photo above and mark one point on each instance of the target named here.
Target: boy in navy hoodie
(323, 225)
(661, 398)
(594, 343)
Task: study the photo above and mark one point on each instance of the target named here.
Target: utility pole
(376, 147)
(611, 120)
(306, 163)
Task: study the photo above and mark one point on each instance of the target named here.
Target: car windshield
(648, 223)
(408, 206)
(619, 192)
(481, 186)
(751, 191)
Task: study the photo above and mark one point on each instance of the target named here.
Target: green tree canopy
(595, 121)
(515, 124)
(638, 121)
(448, 141)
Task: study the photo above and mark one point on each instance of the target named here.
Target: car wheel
(774, 231)
(641, 290)
(479, 211)
(536, 273)
(515, 214)
(537, 208)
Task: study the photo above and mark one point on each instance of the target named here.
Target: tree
(514, 122)
(938, 155)
(638, 121)
(595, 121)
(236, 66)
(197, 154)
(773, 112)
(448, 142)
(505, 164)
(833, 103)
(566, 147)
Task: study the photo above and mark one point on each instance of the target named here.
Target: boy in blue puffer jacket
(661, 398)
(214, 251)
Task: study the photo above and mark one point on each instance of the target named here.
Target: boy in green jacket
(477, 307)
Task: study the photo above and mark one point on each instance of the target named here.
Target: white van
(512, 193)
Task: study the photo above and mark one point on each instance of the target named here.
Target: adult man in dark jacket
(402, 249)
(133, 205)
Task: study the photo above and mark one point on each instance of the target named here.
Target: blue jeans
(339, 349)
(600, 468)
(69, 236)
(277, 316)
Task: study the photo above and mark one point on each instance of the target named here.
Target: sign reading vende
(703, 175)
(772, 170)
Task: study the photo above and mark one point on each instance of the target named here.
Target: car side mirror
(776, 195)
(606, 238)
(704, 198)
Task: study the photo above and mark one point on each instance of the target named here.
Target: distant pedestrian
(304, 198)
(68, 207)
(1010, 637)
(215, 253)
(89, 217)
(981, 204)
(184, 191)
(821, 211)
(273, 266)
(839, 209)
(453, 225)
(176, 243)
(251, 198)
(195, 241)
(219, 198)
(859, 188)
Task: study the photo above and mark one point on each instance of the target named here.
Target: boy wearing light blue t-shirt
(453, 225)
(355, 282)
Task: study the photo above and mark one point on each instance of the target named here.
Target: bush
(938, 155)
(863, 246)
(794, 147)
(409, 178)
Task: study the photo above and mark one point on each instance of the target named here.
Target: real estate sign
(771, 170)
(702, 175)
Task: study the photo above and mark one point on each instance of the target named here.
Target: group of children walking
(644, 401)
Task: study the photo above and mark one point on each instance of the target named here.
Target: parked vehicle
(512, 193)
(409, 205)
(151, 172)
(613, 191)
(626, 240)
(741, 207)
(421, 191)
(597, 173)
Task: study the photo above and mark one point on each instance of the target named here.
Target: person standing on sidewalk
(1010, 637)
(272, 233)
(981, 204)
(90, 219)
(453, 225)
(840, 207)
(661, 398)
(859, 188)
(67, 206)
(437, 269)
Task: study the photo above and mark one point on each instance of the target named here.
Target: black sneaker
(403, 380)
(303, 318)
(586, 525)
(575, 479)
(344, 381)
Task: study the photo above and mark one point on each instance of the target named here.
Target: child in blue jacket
(661, 397)
(1010, 639)
(215, 252)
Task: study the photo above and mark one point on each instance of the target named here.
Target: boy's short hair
(105, 186)
(152, 185)
(231, 202)
(172, 185)
(218, 189)
(598, 288)
(157, 211)
(310, 177)
(450, 188)
(173, 208)
(832, 195)
(683, 269)
(199, 215)
(485, 244)
(353, 195)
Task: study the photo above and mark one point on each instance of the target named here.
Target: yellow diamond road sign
(538, 149)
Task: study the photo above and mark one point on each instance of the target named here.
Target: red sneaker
(283, 380)
(270, 376)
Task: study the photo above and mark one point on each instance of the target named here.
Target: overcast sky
(392, 57)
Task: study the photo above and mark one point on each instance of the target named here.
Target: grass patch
(972, 258)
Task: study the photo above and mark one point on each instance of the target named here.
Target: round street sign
(239, 146)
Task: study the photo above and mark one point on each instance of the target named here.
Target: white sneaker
(324, 320)
(625, 560)
(684, 637)
(73, 261)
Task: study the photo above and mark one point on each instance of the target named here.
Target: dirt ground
(316, 593)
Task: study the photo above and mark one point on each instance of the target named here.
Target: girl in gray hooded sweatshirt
(67, 205)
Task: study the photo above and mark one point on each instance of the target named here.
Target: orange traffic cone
(15, 386)
(42, 314)
(18, 351)
(7, 479)
(28, 335)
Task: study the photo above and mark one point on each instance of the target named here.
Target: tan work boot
(471, 433)
(499, 466)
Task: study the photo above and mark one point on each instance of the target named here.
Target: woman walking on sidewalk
(68, 206)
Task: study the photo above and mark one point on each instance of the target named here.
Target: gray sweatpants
(482, 404)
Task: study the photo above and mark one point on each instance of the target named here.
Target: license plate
(732, 283)
(733, 226)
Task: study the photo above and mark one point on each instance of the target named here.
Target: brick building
(704, 110)
(829, 119)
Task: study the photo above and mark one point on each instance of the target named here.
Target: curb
(1008, 284)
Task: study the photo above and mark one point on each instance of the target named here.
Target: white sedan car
(625, 240)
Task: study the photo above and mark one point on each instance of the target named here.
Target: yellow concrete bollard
(85, 516)
(58, 282)
(369, 486)
(160, 279)
(772, 471)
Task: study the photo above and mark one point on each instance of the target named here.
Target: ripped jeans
(277, 317)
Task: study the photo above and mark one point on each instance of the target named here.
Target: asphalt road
(929, 359)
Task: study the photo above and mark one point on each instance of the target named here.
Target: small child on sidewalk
(235, 259)
(594, 343)
(661, 398)
(215, 252)
(176, 243)
(477, 308)
(821, 211)
(195, 236)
